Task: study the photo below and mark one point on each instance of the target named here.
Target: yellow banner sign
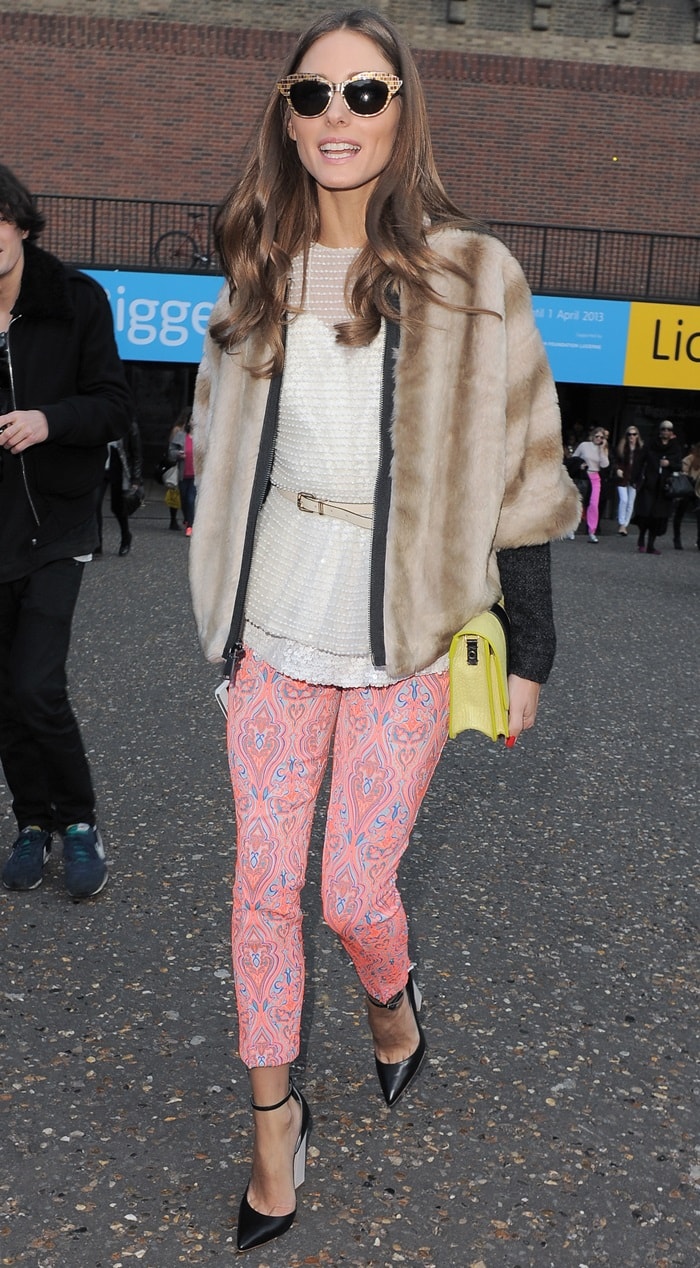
(663, 346)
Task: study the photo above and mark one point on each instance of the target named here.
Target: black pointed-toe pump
(395, 1077)
(255, 1229)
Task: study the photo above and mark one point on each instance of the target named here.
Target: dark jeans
(187, 499)
(40, 746)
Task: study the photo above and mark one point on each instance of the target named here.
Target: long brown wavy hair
(271, 215)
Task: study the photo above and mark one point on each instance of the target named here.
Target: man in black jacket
(63, 397)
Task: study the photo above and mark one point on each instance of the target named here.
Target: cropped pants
(386, 744)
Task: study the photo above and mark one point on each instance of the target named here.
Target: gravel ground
(553, 898)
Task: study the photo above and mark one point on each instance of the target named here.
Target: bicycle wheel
(176, 250)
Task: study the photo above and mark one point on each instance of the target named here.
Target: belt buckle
(310, 510)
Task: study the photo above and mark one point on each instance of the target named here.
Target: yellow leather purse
(479, 675)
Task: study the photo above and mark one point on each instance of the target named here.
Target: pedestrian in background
(607, 506)
(594, 452)
(63, 397)
(662, 456)
(690, 467)
(172, 476)
(629, 455)
(123, 477)
(188, 491)
(358, 497)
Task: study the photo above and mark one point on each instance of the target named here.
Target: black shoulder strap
(261, 480)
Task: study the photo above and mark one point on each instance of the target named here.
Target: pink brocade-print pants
(386, 744)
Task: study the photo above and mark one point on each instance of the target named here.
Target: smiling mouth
(333, 148)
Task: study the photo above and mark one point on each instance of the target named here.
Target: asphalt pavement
(553, 902)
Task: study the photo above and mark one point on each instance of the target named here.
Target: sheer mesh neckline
(326, 274)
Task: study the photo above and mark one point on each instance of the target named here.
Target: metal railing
(124, 233)
(608, 263)
(557, 259)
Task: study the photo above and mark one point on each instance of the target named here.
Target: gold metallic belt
(353, 512)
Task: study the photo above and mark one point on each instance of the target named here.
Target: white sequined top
(307, 604)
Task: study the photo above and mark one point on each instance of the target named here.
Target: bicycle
(182, 248)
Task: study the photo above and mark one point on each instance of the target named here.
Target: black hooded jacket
(64, 362)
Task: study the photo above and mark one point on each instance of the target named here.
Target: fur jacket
(474, 463)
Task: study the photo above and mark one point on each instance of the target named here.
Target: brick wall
(162, 110)
(661, 32)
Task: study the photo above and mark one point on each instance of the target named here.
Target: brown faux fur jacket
(475, 458)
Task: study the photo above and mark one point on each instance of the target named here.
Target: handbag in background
(133, 498)
(479, 675)
(679, 485)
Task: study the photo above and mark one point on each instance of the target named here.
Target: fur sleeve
(541, 502)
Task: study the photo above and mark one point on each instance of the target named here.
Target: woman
(662, 456)
(691, 468)
(374, 420)
(594, 452)
(175, 455)
(629, 461)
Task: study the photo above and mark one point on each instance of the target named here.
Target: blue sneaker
(23, 869)
(84, 862)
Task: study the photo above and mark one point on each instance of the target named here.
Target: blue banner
(164, 316)
(586, 339)
(159, 316)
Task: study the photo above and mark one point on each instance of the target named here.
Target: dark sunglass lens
(366, 96)
(310, 97)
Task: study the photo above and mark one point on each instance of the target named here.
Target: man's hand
(523, 698)
(23, 428)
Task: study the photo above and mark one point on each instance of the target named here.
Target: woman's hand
(523, 700)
